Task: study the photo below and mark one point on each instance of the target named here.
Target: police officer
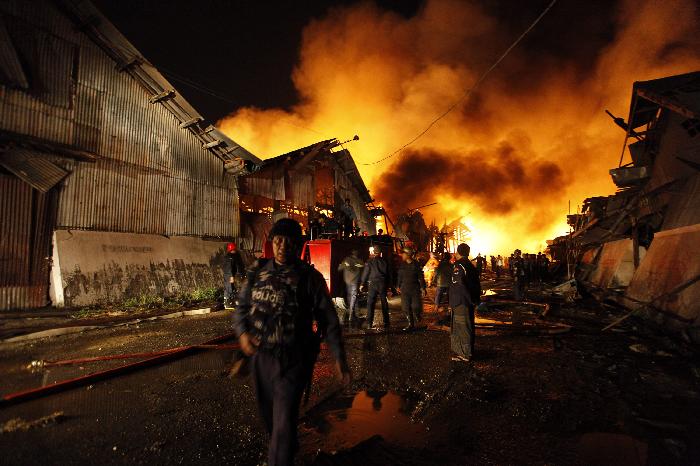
(410, 282)
(233, 265)
(465, 295)
(377, 274)
(278, 304)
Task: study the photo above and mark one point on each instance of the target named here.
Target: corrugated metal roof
(32, 168)
(680, 93)
(127, 57)
(146, 156)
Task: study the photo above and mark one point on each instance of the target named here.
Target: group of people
(342, 224)
(376, 277)
(457, 280)
(526, 269)
(284, 309)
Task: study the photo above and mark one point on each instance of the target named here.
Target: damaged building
(641, 246)
(301, 184)
(111, 184)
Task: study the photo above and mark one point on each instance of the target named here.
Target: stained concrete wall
(97, 267)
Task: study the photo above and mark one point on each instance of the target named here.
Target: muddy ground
(532, 395)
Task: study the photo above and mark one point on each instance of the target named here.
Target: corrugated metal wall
(156, 178)
(264, 184)
(303, 188)
(26, 223)
(345, 189)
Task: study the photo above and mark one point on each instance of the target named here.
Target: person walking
(410, 282)
(465, 295)
(281, 299)
(232, 267)
(377, 275)
(351, 267)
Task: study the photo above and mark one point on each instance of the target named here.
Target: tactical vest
(274, 314)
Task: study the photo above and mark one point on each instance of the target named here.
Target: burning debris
(534, 134)
(639, 247)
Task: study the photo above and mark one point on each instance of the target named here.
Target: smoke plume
(511, 156)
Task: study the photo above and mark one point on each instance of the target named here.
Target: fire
(533, 138)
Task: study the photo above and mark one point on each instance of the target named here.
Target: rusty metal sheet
(33, 168)
(26, 223)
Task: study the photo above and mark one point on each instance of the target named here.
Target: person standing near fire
(233, 266)
(281, 300)
(465, 295)
(410, 282)
(442, 278)
(377, 274)
(519, 275)
(352, 269)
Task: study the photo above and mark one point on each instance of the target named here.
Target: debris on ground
(19, 424)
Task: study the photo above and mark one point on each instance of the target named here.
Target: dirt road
(529, 397)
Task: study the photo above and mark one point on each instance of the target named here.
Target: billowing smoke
(509, 157)
(497, 181)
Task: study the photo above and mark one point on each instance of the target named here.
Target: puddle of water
(482, 320)
(351, 420)
(599, 448)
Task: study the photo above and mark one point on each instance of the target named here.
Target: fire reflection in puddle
(346, 421)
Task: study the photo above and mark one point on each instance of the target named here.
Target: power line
(469, 91)
(206, 90)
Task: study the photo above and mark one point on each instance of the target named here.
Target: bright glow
(363, 70)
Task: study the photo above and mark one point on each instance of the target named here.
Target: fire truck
(327, 254)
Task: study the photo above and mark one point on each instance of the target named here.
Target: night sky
(245, 50)
(511, 156)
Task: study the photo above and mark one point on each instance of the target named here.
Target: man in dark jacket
(377, 274)
(465, 295)
(233, 266)
(278, 304)
(352, 269)
(519, 273)
(442, 279)
(411, 282)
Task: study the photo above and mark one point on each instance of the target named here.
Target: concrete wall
(97, 267)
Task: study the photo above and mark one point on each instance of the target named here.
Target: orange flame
(374, 73)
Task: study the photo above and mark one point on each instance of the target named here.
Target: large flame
(510, 158)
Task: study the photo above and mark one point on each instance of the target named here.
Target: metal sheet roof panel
(32, 168)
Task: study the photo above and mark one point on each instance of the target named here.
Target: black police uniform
(378, 274)
(411, 281)
(278, 304)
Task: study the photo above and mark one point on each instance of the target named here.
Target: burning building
(111, 185)
(301, 184)
(641, 246)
